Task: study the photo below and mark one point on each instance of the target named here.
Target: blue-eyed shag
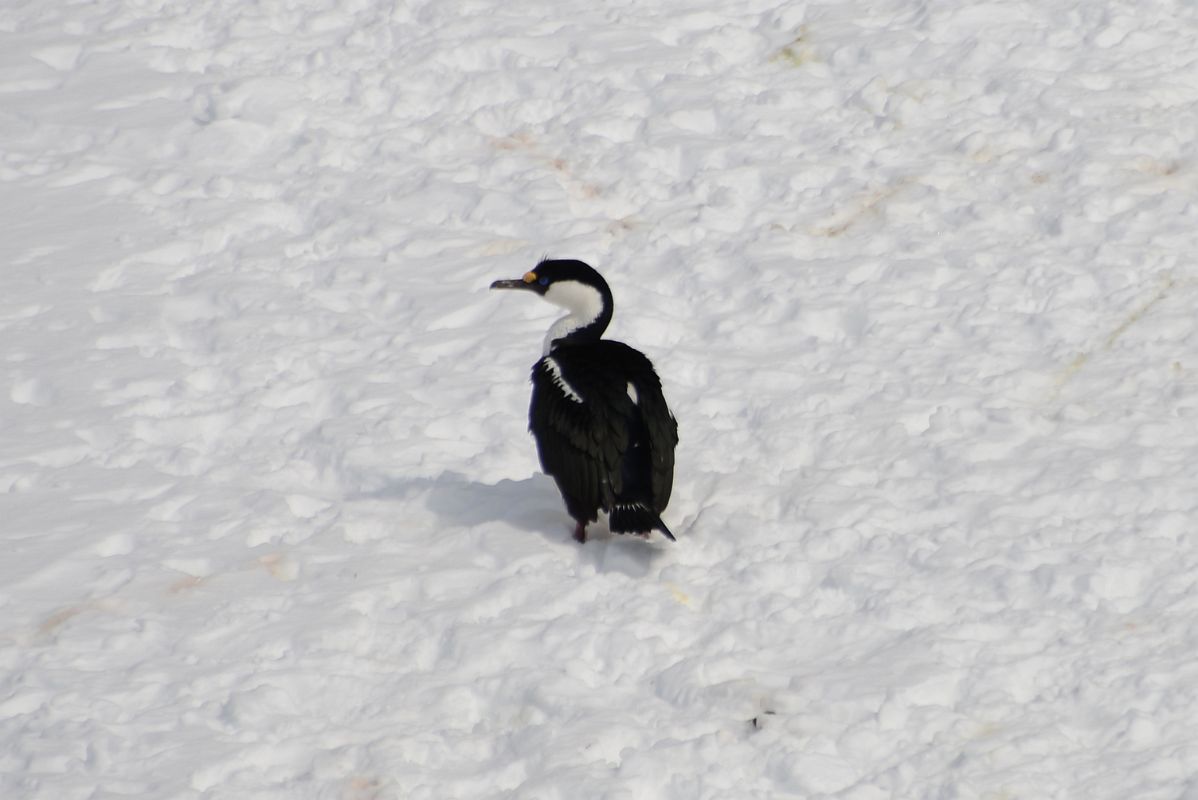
(603, 430)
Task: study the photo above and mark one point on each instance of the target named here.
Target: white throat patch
(584, 303)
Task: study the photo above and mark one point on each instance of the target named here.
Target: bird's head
(574, 286)
(556, 279)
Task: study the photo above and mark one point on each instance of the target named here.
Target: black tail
(636, 518)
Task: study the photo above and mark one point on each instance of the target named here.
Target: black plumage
(603, 430)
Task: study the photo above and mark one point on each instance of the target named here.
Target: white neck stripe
(555, 371)
(585, 304)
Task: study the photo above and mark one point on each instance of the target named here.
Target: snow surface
(919, 279)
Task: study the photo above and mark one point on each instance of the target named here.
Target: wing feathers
(582, 445)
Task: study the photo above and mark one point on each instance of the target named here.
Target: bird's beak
(513, 283)
(529, 281)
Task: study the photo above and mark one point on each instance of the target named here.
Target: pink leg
(580, 533)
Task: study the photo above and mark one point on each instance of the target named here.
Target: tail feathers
(636, 518)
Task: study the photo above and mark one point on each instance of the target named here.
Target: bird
(603, 430)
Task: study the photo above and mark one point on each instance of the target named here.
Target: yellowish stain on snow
(52, 623)
(566, 173)
(867, 205)
(501, 247)
(1161, 168)
(279, 566)
(1072, 369)
(680, 597)
(1139, 313)
(795, 53)
(1081, 359)
(58, 618)
(185, 583)
(363, 788)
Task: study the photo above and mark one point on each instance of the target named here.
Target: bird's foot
(580, 533)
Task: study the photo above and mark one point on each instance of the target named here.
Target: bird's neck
(572, 329)
(590, 313)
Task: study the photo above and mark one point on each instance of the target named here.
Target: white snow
(918, 275)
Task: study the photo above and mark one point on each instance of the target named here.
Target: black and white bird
(603, 429)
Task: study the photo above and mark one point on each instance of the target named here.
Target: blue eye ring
(543, 281)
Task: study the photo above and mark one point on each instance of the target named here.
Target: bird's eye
(543, 281)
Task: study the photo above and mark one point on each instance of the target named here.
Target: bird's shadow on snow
(532, 504)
